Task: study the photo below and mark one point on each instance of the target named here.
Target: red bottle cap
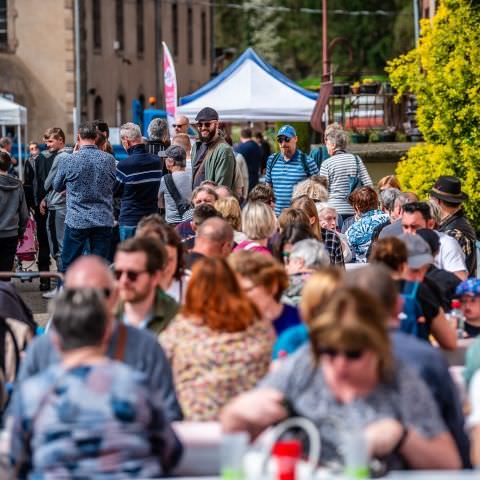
(456, 304)
(288, 448)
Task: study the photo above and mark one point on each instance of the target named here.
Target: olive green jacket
(164, 311)
(219, 162)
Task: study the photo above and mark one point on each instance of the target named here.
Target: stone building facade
(120, 56)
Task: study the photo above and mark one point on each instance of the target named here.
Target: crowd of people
(211, 282)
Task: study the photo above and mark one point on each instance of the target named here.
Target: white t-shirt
(451, 256)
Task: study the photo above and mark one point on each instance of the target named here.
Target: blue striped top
(285, 174)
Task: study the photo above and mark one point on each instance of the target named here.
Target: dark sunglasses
(348, 354)
(204, 124)
(283, 139)
(178, 125)
(131, 274)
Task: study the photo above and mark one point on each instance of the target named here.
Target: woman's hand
(383, 436)
(253, 411)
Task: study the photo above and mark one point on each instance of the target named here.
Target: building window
(96, 24)
(140, 28)
(3, 25)
(190, 35)
(119, 37)
(120, 110)
(98, 108)
(175, 28)
(204, 37)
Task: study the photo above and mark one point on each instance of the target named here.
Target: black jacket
(458, 227)
(43, 164)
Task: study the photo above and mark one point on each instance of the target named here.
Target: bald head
(214, 238)
(215, 229)
(89, 271)
(181, 124)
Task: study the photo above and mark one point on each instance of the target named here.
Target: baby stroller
(27, 248)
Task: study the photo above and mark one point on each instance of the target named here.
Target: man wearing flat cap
(212, 158)
(447, 194)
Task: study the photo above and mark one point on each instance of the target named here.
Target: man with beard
(212, 158)
(139, 264)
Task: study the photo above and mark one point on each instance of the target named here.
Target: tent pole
(20, 159)
(4, 131)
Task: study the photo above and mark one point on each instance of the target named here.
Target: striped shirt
(285, 174)
(338, 168)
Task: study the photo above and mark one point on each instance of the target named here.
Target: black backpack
(181, 204)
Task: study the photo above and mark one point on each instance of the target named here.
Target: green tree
(444, 74)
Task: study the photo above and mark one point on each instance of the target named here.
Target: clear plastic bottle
(457, 315)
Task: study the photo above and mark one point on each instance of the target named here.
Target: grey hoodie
(13, 207)
(55, 200)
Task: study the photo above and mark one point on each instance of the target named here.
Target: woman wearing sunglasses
(349, 380)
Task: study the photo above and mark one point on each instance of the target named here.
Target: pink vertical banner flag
(169, 84)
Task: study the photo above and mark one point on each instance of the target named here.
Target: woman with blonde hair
(314, 187)
(258, 224)
(229, 209)
(218, 346)
(349, 382)
(389, 181)
(316, 293)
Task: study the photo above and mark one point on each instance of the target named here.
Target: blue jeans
(126, 232)
(75, 240)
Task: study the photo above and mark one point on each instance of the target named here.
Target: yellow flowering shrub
(444, 74)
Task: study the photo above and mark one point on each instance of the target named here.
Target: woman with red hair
(218, 345)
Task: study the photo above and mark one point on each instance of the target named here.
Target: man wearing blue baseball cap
(287, 168)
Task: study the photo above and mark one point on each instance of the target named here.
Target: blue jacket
(137, 183)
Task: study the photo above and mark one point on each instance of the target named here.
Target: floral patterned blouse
(211, 367)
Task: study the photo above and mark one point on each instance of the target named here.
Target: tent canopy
(11, 113)
(251, 90)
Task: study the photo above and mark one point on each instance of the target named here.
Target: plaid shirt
(334, 247)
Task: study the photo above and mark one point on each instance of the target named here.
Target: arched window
(120, 110)
(140, 28)
(119, 36)
(204, 36)
(190, 35)
(97, 24)
(98, 108)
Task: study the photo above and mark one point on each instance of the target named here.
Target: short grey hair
(158, 130)
(388, 197)
(312, 252)
(403, 198)
(435, 211)
(325, 207)
(335, 135)
(130, 131)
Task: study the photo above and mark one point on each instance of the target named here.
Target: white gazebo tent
(12, 114)
(251, 90)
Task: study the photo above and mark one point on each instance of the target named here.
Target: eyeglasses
(178, 125)
(204, 124)
(281, 140)
(132, 275)
(333, 353)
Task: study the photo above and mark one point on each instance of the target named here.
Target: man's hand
(253, 411)
(43, 207)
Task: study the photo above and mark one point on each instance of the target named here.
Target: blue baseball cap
(287, 131)
(469, 287)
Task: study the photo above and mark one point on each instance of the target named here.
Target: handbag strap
(173, 191)
(121, 343)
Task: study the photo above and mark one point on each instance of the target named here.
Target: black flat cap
(206, 114)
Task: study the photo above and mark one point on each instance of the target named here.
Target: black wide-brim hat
(448, 189)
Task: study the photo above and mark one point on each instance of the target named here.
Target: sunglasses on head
(283, 139)
(348, 354)
(204, 124)
(132, 275)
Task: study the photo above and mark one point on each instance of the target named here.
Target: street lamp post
(325, 69)
(78, 91)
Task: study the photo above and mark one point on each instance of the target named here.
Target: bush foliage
(444, 74)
